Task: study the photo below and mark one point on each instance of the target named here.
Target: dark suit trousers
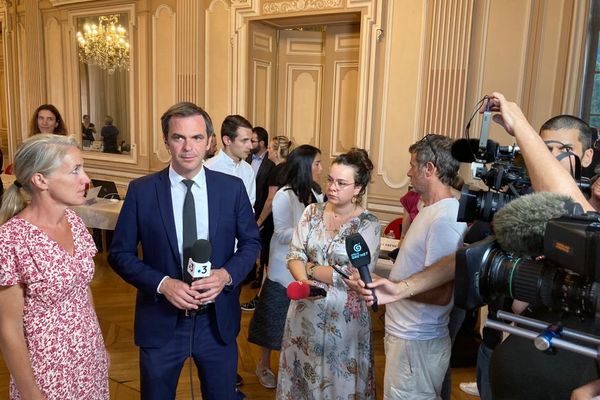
(216, 362)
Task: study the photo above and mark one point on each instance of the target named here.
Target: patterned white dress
(61, 329)
(327, 351)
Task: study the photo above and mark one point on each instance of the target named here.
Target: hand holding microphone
(207, 281)
(360, 257)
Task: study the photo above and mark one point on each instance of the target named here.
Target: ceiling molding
(57, 3)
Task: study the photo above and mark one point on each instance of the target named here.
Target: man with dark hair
(167, 212)
(417, 337)
(569, 139)
(262, 166)
(236, 135)
(566, 137)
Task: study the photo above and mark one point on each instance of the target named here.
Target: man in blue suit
(152, 215)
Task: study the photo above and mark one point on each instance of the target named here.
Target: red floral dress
(63, 337)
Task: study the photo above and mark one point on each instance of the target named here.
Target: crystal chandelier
(105, 44)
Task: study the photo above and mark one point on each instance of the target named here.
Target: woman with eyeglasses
(327, 351)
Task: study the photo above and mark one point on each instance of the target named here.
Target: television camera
(565, 280)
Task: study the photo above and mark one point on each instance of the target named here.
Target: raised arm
(432, 277)
(546, 173)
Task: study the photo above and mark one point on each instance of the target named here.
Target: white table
(383, 267)
(102, 214)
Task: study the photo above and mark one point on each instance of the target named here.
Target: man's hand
(179, 294)
(510, 113)
(207, 289)
(387, 291)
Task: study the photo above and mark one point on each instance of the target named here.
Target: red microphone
(300, 290)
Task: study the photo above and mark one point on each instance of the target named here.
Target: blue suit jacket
(147, 218)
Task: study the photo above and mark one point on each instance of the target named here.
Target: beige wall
(422, 67)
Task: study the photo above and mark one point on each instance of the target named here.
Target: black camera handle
(554, 341)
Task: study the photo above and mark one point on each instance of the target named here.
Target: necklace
(337, 220)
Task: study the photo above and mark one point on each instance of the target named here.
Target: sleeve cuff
(160, 283)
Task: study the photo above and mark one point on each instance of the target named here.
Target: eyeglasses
(426, 139)
(340, 184)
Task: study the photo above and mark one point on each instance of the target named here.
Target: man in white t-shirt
(417, 343)
(236, 135)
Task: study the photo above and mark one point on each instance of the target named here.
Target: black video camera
(506, 179)
(565, 280)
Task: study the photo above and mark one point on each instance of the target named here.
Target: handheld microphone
(360, 257)
(300, 290)
(198, 266)
(521, 224)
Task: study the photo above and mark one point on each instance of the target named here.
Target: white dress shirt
(178, 192)
(223, 163)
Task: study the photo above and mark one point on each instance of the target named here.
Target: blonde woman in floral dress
(49, 333)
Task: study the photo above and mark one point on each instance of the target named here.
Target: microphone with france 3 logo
(360, 258)
(199, 265)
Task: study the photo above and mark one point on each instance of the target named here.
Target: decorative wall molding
(343, 121)
(218, 64)
(187, 50)
(58, 3)
(305, 47)
(262, 103)
(289, 6)
(34, 47)
(445, 92)
(387, 159)
(304, 84)
(347, 42)
(53, 47)
(262, 42)
(163, 74)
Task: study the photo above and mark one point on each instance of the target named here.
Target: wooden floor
(114, 300)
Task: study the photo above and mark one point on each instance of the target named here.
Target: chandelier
(105, 44)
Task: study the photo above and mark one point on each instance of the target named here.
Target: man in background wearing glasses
(417, 343)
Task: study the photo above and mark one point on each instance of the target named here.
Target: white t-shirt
(433, 234)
